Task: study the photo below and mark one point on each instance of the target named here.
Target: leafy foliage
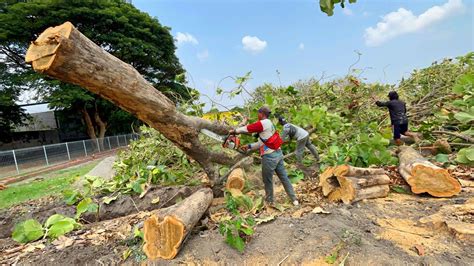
(239, 228)
(327, 6)
(55, 226)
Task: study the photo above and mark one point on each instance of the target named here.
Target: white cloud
(185, 37)
(253, 44)
(301, 46)
(346, 11)
(404, 21)
(202, 56)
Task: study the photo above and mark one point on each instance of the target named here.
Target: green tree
(11, 114)
(117, 26)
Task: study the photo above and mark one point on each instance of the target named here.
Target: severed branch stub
(423, 176)
(350, 184)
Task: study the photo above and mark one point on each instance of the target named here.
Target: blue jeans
(271, 163)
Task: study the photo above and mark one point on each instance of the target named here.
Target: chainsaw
(230, 141)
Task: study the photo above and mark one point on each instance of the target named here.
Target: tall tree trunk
(102, 127)
(64, 53)
(89, 125)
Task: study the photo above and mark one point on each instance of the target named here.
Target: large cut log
(65, 53)
(423, 176)
(351, 184)
(166, 230)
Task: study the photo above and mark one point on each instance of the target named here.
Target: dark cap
(282, 120)
(265, 110)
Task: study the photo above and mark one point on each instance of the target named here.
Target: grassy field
(44, 185)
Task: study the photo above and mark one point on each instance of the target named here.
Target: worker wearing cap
(291, 131)
(269, 143)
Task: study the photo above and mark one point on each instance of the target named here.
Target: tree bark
(423, 176)
(351, 184)
(166, 230)
(89, 125)
(64, 53)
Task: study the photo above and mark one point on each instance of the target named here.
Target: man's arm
(285, 134)
(256, 127)
(381, 104)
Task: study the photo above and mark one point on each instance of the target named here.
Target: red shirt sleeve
(256, 127)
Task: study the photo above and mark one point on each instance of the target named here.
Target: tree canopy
(116, 26)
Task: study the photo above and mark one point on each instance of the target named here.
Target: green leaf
(27, 231)
(400, 190)
(238, 243)
(442, 158)
(464, 117)
(53, 219)
(61, 227)
(247, 230)
(465, 156)
(108, 200)
(86, 205)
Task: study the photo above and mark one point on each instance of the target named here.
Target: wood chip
(320, 210)
(420, 250)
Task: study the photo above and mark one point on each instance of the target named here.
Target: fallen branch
(461, 136)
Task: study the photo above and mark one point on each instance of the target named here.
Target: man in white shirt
(291, 131)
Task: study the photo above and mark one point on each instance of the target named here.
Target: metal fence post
(125, 138)
(98, 145)
(16, 163)
(45, 155)
(108, 140)
(85, 149)
(68, 154)
(118, 142)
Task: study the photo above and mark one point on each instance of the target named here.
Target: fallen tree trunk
(166, 230)
(65, 53)
(351, 184)
(423, 176)
(122, 206)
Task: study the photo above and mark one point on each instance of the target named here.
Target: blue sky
(212, 47)
(298, 40)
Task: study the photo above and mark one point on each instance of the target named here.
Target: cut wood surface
(423, 176)
(165, 231)
(351, 184)
(236, 179)
(65, 53)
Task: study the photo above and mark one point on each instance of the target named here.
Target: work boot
(398, 142)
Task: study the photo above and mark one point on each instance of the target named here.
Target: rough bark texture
(89, 125)
(64, 53)
(423, 176)
(351, 184)
(165, 231)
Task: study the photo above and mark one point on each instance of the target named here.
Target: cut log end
(434, 181)
(236, 180)
(41, 52)
(163, 239)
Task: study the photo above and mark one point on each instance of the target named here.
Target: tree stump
(423, 176)
(351, 184)
(166, 229)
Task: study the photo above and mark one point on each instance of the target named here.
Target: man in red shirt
(269, 143)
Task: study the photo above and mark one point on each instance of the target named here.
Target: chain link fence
(25, 160)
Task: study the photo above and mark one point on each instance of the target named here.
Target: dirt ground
(385, 231)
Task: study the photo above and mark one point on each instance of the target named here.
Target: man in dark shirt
(398, 117)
